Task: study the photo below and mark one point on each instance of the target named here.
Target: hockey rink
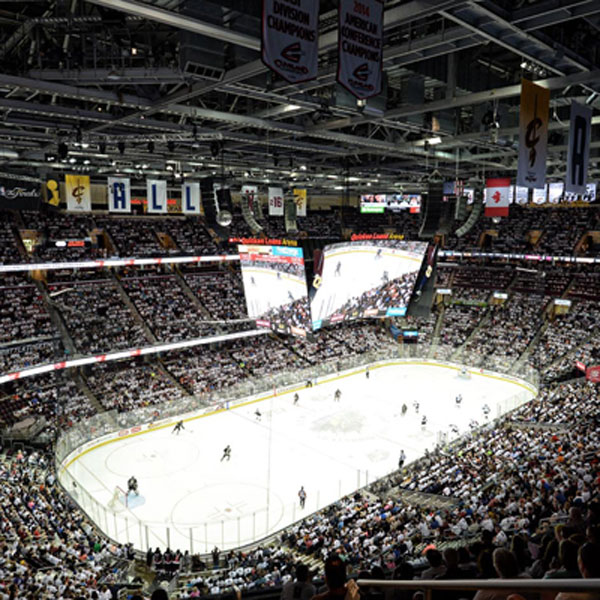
(350, 271)
(265, 289)
(191, 499)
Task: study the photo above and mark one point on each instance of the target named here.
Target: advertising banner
(119, 195)
(497, 197)
(190, 198)
(360, 41)
(156, 190)
(17, 194)
(300, 201)
(533, 135)
(593, 374)
(275, 202)
(578, 155)
(79, 193)
(290, 38)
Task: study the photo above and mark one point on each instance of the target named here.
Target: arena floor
(190, 499)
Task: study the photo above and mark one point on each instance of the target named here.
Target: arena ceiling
(161, 86)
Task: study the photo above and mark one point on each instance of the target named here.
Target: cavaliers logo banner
(119, 195)
(360, 39)
(290, 43)
(79, 193)
(533, 135)
(578, 156)
(301, 201)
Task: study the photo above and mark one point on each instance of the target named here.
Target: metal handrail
(536, 585)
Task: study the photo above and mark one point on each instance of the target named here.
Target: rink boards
(193, 501)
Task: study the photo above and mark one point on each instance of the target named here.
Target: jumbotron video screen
(362, 279)
(275, 287)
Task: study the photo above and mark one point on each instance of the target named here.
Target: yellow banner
(52, 192)
(301, 201)
(79, 193)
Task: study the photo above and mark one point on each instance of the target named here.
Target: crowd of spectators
(125, 387)
(97, 318)
(169, 312)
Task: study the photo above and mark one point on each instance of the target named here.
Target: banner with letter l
(580, 132)
(190, 198)
(290, 38)
(119, 195)
(156, 190)
(275, 202)
(360, 47)
(533, 135)
(79, 193)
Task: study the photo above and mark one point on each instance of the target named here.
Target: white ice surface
(360, 271)
(268, 291)
(190, 499)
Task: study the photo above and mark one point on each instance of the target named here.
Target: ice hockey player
(416, 405)
(337, 395)
(404, 409)
(296, 398)
(226, 453)
(178, 427)
(132, 486)
(367, 373)
(378, 253)
(486, 410)
(290, 296)
(458, 400)
(424, 421)
(258, 415)
(302, 496)
(338, 269)
(454, 429)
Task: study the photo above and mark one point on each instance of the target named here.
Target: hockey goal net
(119, 499)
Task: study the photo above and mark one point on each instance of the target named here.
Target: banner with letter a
(275, 202)
(497, 197)
(580, 132)
(360, 42)
(533, 135)
(290, 38)
(156, 190)
(190, 198)
(300, 201)
(79, 193)
(119, 195)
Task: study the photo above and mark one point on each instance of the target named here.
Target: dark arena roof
(118, 321)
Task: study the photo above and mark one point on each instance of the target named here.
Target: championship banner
(497, 197)
(156, 190)
(17, 194)
(119, 195)
(360, 41)
(79, 193)
(52, 192)
(533, 135)
(300, 201)
(190, 198)
(275, 202)
(290, 38)
(580, 133)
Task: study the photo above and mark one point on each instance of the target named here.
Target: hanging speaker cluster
(474, 216)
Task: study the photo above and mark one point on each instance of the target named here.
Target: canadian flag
(497, 197)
